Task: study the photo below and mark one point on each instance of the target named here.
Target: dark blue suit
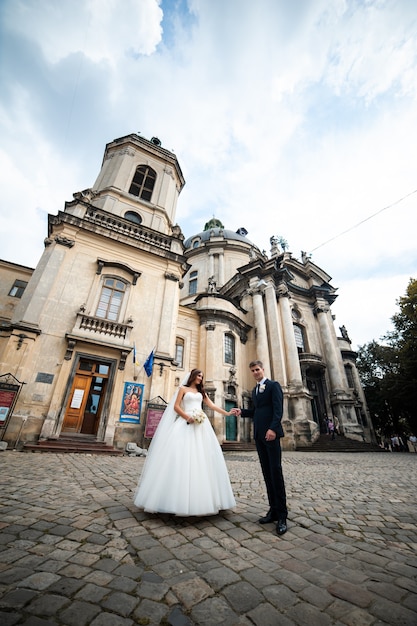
(267, 414)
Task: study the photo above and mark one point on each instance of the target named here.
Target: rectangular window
(111, 299)
(179, 352)
(349, 376)
(229, 349)
(18, 288)
(192, 285)
(299, 338)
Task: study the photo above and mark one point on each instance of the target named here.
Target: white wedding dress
(185, 472)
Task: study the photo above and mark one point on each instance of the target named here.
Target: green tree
(389, 371)
(405, 338)
(376, 364)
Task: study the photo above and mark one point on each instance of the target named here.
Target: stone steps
(81, 444)
(237, 446)
(340, 444)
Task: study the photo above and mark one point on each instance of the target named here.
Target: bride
(185, 472)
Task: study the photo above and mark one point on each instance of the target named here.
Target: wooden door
(94, 404)
(74, 414)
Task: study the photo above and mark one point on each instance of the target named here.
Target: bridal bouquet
(198, 416)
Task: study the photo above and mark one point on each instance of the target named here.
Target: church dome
(214, 229)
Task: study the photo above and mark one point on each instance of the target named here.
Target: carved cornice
(117, 228)
(349, 355)
(122, 266)
(320, 307)
(213, 316)
(171, 276)
(283, 291)
(65, 241)
(72, 341)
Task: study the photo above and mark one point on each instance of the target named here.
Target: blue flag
(148, 365)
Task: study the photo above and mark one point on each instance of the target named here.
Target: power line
(365, 220)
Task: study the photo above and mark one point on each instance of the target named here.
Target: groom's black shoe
(269, 518)
(281, 526)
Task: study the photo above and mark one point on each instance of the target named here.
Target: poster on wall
(153, 417)
(77, 398)
(131, 403)
(8, 394)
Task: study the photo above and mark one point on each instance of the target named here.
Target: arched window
(143, 182)
(229, 349)
(179, 351)
(132, 216)
(299, 338)
(192, 283)
(111, 299)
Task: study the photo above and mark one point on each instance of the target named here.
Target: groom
(267, 411)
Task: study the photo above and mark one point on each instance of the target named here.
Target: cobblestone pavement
(75, 551)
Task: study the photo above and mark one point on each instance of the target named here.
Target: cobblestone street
(75, 551)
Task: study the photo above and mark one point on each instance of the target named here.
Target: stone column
(341, 399)
(298, 413)
(294, 377)
(331, 352)
(275, 336)
(262, 351)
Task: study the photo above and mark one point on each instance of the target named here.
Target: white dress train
(185, 472)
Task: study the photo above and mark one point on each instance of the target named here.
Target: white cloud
(100, 29)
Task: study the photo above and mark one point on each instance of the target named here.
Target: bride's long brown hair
(200, 386)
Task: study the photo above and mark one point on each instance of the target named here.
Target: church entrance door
(231, 423)
(86, 398)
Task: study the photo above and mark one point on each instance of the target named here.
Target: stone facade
(117, 281)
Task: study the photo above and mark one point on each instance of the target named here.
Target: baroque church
(95, 339)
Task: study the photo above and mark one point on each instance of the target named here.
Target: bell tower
(140, 181)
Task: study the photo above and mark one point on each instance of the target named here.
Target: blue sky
(294, 119)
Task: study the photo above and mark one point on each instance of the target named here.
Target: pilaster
(169, 314)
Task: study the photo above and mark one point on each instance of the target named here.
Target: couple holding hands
(185, 472)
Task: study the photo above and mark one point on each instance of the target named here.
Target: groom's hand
(270, 435)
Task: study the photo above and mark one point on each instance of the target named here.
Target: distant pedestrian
(413, 441)
(332, 429)
(395, 443)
